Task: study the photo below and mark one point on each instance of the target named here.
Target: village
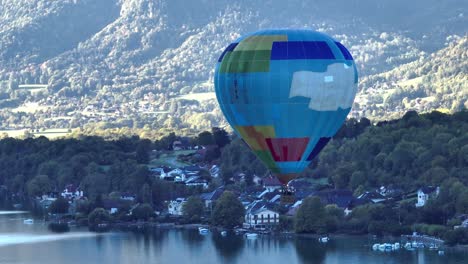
(263, 203)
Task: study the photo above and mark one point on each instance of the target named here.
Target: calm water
(20, 243)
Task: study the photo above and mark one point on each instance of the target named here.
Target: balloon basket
(287, 196)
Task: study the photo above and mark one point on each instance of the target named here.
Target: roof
(371, 195)
(357, 202)
(340, 197)
(192, 168)
(428, 189)
(301, 194)
(258, 206)
(271, 181)
(298, 184)
(214, 195)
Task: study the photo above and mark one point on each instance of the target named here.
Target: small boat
(375, 247)
(251, 235)
(388, 247)
(224, 233)
(397, 245)
(203, 231)
(420, 245)
(408, 245)
(28, 221)
(382, 247)
(441, 252)
(323, 239)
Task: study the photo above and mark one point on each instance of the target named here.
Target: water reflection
(309, 250)
(228, 247)
(27, 244)
(192, 238)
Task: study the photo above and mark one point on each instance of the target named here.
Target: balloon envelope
(286, 93)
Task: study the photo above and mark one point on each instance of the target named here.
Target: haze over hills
(149, 64)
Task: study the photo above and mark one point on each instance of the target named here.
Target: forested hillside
(148, 64)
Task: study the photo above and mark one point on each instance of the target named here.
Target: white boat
(375, 247)
(382, 247)
(408, 245)
(28, 221)
(251, 235)
(441, 252)
(203, 231)
(397, 245)
(323, 239)
(388, 247)
(224, 233)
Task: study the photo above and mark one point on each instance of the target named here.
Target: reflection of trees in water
(309, 250)
(229, 247)
(267, 243)
(191, 237)
(149, 238)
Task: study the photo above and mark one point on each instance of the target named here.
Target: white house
(260, 215)
(175, 206)
(71, 192)
(426, 193)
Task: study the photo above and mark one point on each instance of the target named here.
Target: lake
(33, 243)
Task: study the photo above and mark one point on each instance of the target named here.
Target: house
(177, 145)
(210, 198)
(271, 183)
(268, 196)
(299, 185)
(390, 192)
(354, 203)
(374, 197)
(159, 172)
(197, 181)
(112, 206)
(260, 215)
(128, 197)
(426, 193)
(175, 207)
(192, 170)
(71, 192)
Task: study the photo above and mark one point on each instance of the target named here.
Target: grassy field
(48, 133)
(198, 96)
(169, 159)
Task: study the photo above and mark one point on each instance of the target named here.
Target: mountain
(437, 81)
(149, 64)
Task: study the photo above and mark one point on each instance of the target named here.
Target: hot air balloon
(286, 93)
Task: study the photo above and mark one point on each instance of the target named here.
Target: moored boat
(251, 235)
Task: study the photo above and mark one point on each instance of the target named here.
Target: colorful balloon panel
(286, 93)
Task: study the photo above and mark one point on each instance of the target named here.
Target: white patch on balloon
(328, 90)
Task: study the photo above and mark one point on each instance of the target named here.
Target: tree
(142, 152)
(310, 217)
(205, 138)
(59, 206)
(145, 194)
(220, 136)
(143, 212)
(192, 210)
(39, 185)
(228, 212)
(98, 216)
